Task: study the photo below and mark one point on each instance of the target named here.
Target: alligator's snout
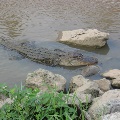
(90, 60)
(79, 61)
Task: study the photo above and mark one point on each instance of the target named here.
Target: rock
(80, 100)
(3, 102)
(43, 79)
(90, 70)
(2, 96)
(116, 82)
(112, 74)
(108, 103)
(4, 99)
(112, 116)
(87, 116)
(89, 88)
(79, 84)
(76, 82)
(103, 84)
(90, 37)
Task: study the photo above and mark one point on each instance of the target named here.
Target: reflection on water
(103, 51)
(40, 21)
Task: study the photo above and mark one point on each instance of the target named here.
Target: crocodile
(47, 56)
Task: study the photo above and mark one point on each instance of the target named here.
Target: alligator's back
(41, 55)
(46, 56)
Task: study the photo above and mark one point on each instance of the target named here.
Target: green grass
(32, 105)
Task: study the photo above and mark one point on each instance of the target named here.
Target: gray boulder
(90, 37)
(44, 79)
(108, 103)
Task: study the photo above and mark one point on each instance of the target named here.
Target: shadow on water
(71, 47)
(103, 51)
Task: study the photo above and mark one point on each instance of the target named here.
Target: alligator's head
(77, 60)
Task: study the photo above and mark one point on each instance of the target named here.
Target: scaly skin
(48, 57)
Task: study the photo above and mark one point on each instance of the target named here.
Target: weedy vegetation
(32, 104)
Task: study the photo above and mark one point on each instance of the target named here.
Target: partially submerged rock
(43, 79)
(90, 70)
(108, 103)
(90, 37)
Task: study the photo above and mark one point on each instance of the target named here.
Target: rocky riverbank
(104, 99)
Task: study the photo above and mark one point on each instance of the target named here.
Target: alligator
(47, 56)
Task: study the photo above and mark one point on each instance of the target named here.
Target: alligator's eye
(60, 55)
(77, 55)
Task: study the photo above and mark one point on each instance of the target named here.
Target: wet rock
(108, 103)
(90, 37)
(43, 79)
(103, 84)
(76, 82)
(112, 74)
(112, 116)
(90, 70)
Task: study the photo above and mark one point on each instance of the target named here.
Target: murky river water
(41, 20)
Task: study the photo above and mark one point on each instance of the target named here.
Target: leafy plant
(32, 104)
